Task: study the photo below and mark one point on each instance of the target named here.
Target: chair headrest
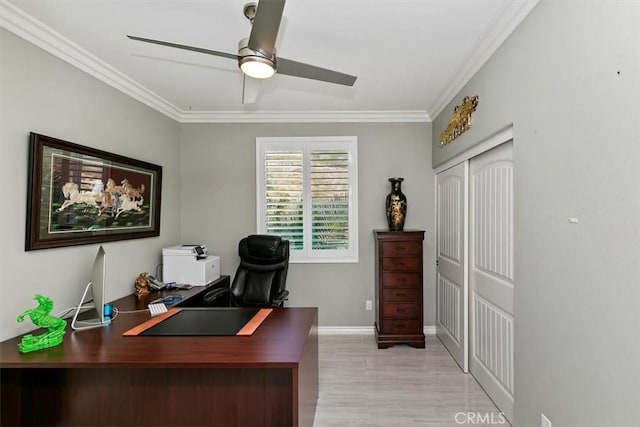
(262, 247)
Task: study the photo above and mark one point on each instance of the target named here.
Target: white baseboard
(429, 330)
(360, 330)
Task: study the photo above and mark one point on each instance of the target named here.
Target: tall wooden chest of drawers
(399, 288)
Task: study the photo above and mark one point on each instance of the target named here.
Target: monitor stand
(79, 325)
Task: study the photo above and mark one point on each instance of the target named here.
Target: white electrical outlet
(368, 305)
(544, 421)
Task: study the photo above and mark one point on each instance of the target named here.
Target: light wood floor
(360, 385)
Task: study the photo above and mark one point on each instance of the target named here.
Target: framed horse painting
(78, 195)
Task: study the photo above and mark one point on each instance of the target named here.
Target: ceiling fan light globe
(257, 67)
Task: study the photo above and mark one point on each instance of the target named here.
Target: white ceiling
(410, 56)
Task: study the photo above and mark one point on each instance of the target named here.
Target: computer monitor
(97, 298)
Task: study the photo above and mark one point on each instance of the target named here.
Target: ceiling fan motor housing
(247, 55)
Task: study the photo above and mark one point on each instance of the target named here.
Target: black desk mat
(203, 321)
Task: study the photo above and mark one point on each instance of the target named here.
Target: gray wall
(569, 80)
(40, 93)
(218, 175)
(216, 162)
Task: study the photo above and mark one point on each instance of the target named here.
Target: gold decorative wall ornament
(460, 120)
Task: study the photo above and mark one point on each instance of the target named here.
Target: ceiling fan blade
(250, 88)
(265, 26)
(299, 69)
(185, 47)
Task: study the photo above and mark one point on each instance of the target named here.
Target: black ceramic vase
(396, 206)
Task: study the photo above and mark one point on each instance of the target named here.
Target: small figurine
(142, 285)
(40, 317)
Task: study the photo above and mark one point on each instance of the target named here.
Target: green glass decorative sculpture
(40, 317)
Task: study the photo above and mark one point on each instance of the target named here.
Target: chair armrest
(211, 296)
(279, 299)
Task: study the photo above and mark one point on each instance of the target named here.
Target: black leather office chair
(261, 277)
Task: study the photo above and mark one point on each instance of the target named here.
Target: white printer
(190, 265)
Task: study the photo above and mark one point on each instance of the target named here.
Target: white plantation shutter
(307, 193)
(330, 199)
(283, 196)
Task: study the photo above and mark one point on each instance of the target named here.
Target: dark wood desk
(98, 377)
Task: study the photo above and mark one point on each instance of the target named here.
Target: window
(307, 193)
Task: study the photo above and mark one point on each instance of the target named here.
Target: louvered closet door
(451, 287)
(491, 274)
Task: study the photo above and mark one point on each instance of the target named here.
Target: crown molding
(30, 29)
(302, 116)
(499, 31)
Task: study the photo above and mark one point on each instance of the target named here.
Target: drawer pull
(401, 279)
(400, 326)
(400, 294)
(400, 264)
(400, 310)
(400, 248)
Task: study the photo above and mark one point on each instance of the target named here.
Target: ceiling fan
(257, 55)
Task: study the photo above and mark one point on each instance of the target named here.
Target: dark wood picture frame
(79, 195)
